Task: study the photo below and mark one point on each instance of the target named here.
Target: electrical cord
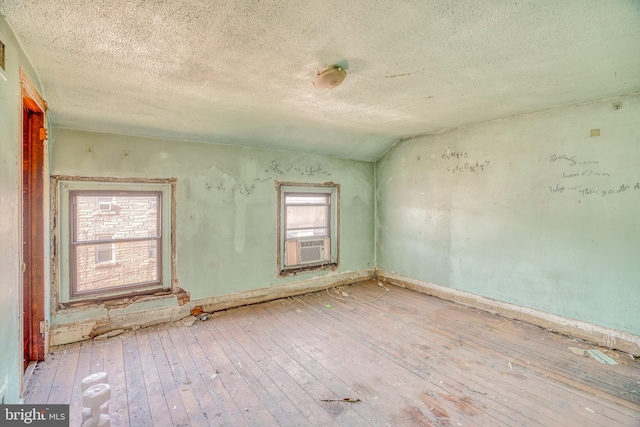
(356, 299)
(353, 298)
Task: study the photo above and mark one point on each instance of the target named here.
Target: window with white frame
(308, 237)
(104, 203)
(117, 241)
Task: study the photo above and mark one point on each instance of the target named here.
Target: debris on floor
(345, 399)
(596, 354)
(189, 321)
(109, 334)
(578, 351)
(601, 357)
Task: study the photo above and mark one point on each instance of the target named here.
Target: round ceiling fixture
(330, 78)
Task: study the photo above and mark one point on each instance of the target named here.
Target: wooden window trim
(301, 187)
(60, 292)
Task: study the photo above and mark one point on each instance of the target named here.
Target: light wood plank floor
(411, 359)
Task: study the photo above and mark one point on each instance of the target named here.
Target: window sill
(71, 323)
(117, 299)
(295, 270)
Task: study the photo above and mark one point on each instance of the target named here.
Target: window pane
(307, 232)
(307, 221)
(104, 253)
(307, 199)
(122, 217)
(131, 263)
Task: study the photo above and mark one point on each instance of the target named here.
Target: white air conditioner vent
(104, 206)
(300, 252)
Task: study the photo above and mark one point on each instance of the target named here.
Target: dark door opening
(33, 236)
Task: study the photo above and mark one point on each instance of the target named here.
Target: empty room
(262, 213)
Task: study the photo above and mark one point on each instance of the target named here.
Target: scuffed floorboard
(409, 358)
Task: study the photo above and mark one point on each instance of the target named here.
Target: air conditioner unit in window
(307, 251)
(104, 206)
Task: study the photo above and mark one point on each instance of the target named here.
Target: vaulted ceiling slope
(241, 72)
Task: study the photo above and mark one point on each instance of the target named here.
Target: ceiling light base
(330, 78)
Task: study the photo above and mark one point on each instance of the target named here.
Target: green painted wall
(529, 210)
(10, 247)
(226, 201)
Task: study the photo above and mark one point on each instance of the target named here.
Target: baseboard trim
(606, 337)
(115, 319)
(255, 296)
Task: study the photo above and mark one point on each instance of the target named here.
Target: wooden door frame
(33, 140)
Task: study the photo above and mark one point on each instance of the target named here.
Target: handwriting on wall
(246, 189)
(274, 167)
(277, 168)
(460, 162)
(586, 178)
(571, 160)
(593, 191)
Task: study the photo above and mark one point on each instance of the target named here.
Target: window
(307, 215)
(104, 204)
(118, 239)
(308, 237)
(131, 232)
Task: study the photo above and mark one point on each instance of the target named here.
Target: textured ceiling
(241, 72)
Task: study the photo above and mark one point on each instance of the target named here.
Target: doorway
(33, 227)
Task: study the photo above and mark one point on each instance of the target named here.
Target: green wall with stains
(226, 202)
(10, 212)
(530, 210)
